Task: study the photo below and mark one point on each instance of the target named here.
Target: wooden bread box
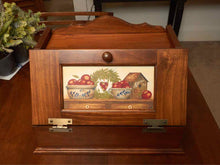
(109, 72)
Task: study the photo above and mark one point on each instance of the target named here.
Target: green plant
(17, 26)
(104, 74)
(6, 19)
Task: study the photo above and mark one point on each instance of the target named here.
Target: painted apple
(86, 77)
(72, 82)
(89, 82)
(104, 85)
(78, 82)
(121, 84)
(146, 94)
(83, 82)
(126, 86)
(116, 85)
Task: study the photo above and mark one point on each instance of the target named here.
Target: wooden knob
(107, 57)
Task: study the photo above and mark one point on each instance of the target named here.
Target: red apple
(122, 82)
(116, 85)
(72, 82)
(78, 82)
(83, 82)
(86, 77)
(146, 94)
(89, 82)
(126, 86)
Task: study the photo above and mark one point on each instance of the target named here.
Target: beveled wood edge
(109, 111)
(44, 39)
(64, 22)
(125, 23)
(103, 100)
(105, 50)
(47, 150)
(120, 26)
(172, 37)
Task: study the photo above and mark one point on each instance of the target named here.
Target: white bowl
(80, 91)
(120, 93)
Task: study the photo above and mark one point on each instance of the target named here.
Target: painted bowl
(120, 93)
(80, 91)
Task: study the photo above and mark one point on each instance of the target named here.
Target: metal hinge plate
(59, 125)
(155, 125)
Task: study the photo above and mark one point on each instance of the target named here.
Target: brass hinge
(155, 125)
(59, 125)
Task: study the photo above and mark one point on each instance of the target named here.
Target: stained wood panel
(45, 86)
(109, 32)
(172, 85)
(46, 77)
(130, 140)
(111, 41)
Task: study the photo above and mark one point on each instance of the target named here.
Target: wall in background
(201, 19)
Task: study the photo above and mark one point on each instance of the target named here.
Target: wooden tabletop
(17, 139)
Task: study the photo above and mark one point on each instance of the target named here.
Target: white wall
(201, 19)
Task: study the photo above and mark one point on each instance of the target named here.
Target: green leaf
(108, 74)
(13, 43)
(75, 76)
(8, 50)
(29, 42)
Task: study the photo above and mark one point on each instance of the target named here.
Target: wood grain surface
(18, 141)
(43, 39)
(109, 32)
(111, 104)
(170, 83)
(45, 86)
(120, 140)
(109, 41)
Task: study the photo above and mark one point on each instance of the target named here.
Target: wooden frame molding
(40, 150)
(171, 69)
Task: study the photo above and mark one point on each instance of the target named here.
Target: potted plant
(23, 27)
(7, 61)
(17, 29)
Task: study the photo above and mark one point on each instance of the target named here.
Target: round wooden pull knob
(107, 57)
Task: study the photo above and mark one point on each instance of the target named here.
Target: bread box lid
(108, 32)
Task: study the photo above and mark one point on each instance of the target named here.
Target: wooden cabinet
(109, 72)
